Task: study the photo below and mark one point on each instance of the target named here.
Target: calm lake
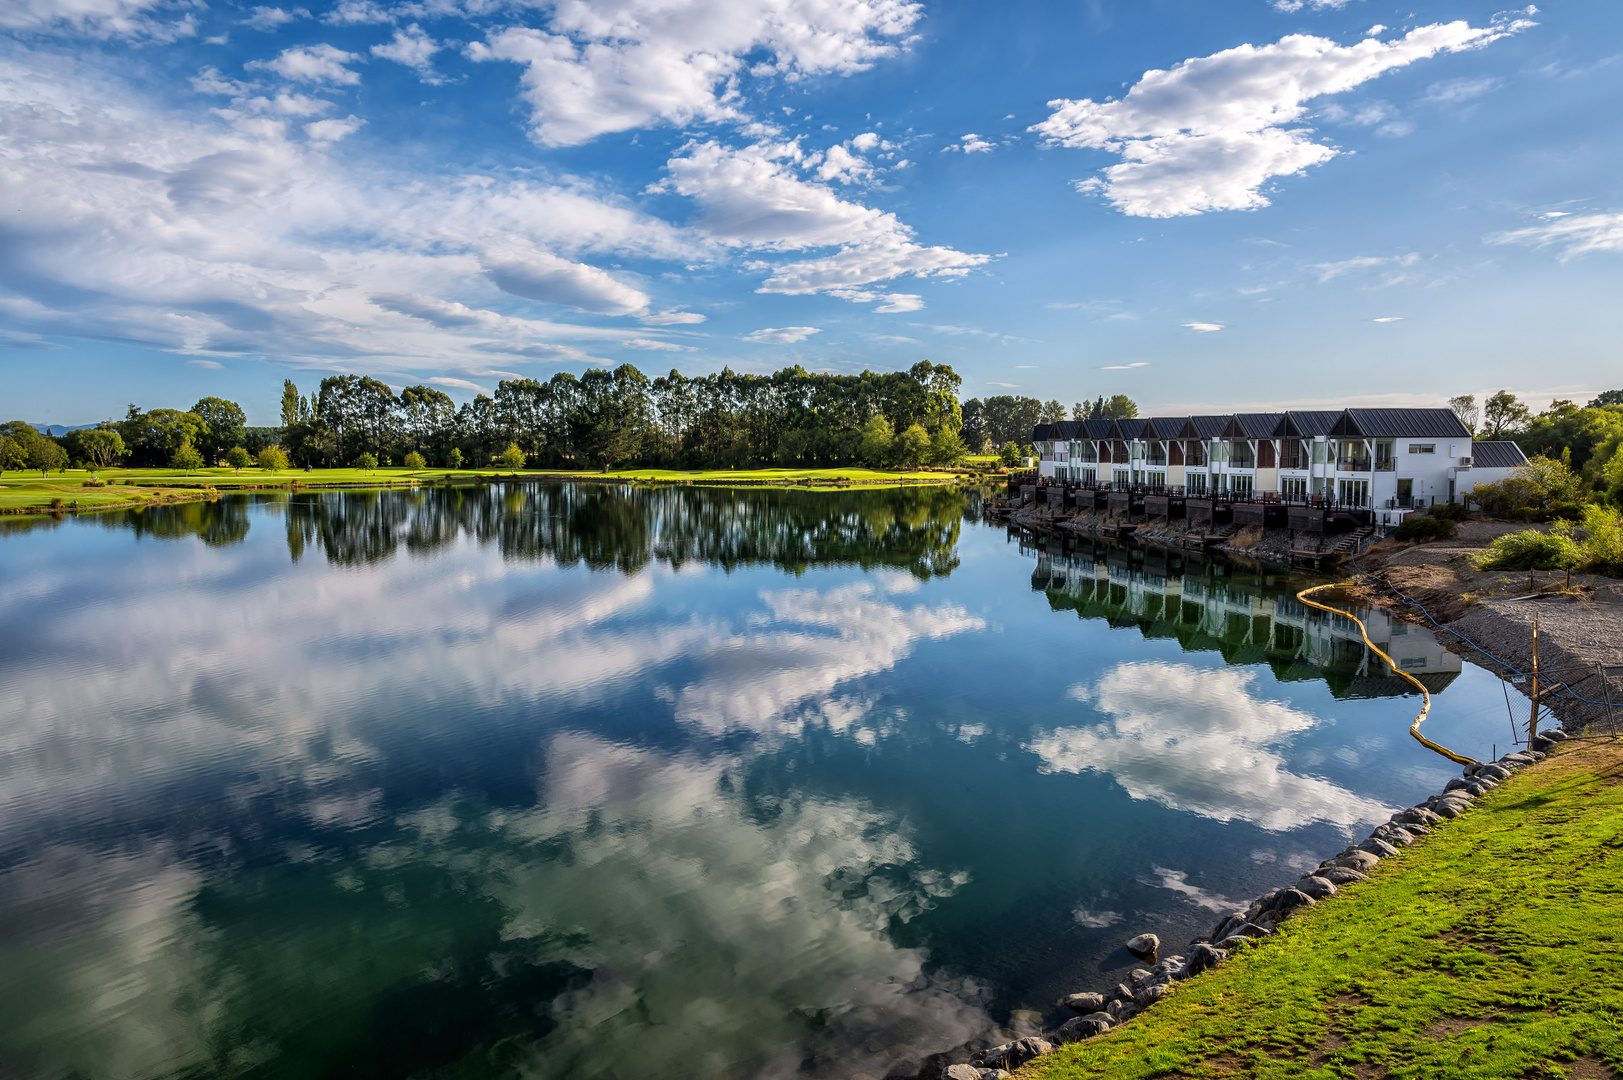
(548, 781)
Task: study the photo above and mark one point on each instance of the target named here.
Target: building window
(1422, 448)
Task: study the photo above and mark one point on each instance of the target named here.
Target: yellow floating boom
(1414, 728)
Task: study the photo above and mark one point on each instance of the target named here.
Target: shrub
(95, 481)
(1532, 550)
(1529, 492)
(369, 462)
(414, 460)
(1603, 539)
(1419, 528)
(57, 504)
(1455, 512)
(271, 459)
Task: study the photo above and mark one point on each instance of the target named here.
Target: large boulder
(1083, 1027)
(1493, 772)
(1083, 1003)
(1150, 994)
(1452, 809)
(1396, 835)
(1362, 861)
(1340, 875)
(1520, 758)
(1122, 992)
(1417, 815)
(1144, 946)
(1317, 887)
(1226, 927)
(1377, 846)
(960, 1072)
(1203, 957)
(1120, 1011)
(1288, 901)
(1012, 1055)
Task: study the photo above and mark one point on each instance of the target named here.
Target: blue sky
(1202, 205)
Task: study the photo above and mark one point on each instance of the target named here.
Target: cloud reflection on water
(1201, 741)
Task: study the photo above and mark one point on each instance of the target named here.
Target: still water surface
(545, 781)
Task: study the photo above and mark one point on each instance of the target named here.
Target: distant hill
(59, 429)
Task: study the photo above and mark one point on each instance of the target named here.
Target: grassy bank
(29, 492)
(1492, 948)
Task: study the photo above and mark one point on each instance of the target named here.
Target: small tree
(238, 458)
(102, 446)
(455, 457)
(414, 460)
(947, 447)
(1504, 414)
(367, 461)
(186, 457)
(512, 457)
(1011, 455)
(875, 443)
(1464, 407)
(47, 455)
(912, 446)
(271, 459)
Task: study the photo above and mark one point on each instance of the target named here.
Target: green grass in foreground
(1492, 948)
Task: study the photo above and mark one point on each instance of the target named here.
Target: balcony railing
(1354, 465)
(1384, 466)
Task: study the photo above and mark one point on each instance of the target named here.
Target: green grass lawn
(23, 491)
(1492, 948)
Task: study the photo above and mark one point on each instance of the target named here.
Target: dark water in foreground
(554, 782)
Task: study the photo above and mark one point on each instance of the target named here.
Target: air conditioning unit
(1465, 463)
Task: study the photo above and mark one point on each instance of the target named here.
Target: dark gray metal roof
(1042, 433)
(1067, 429)
(1204, 427)
(1127, 429)
(1497, 455)
(1402, 424)
(1098, 429)
(1258, 425)
(1164, 427)
(1307, 424)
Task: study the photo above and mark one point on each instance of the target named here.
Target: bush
(414, 460)
(1532, 551)
(1419, 528)
(271, 459)
(1455, 512)
(1603, 539)
(95, 482)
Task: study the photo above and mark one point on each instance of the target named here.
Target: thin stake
(1606, 693)
(1532, 720)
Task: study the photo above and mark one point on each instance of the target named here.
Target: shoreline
(174, 490)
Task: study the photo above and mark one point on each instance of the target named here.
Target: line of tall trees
(599, 419)
(1586, 439)
(621, 417)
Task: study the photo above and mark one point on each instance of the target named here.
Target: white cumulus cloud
(530, 272)
(413, 48)
(137, 19)
(617, 65)
(1208, 133)
(311, 63)
(755, 198)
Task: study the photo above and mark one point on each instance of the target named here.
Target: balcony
(1354, 465)
(1384, 466)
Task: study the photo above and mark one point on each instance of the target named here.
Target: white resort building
(1394, 459)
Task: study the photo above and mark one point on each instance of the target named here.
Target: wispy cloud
(1574, 234)
(1126, 367)
(1204, 327)
(782, 335)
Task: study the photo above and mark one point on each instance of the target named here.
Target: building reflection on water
(1240, 609)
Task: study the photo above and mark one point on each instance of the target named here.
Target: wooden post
(1532, 720)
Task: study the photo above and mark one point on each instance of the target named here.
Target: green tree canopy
(223, 422)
